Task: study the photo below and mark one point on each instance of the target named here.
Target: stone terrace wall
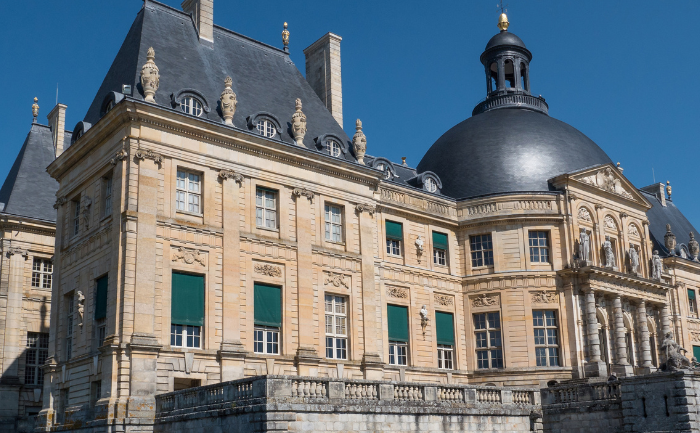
(302, 404)
(582, 408)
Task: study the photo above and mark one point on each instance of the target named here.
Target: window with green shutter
(439, 241)
(394, 231)
(397, 318)
(187, 302)
(268, 305)
(101, 298)
(444, 328)
(696, 352)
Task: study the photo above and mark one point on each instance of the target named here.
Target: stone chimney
(57, 123)
(202, 12)
(323, 73)
(658, 189)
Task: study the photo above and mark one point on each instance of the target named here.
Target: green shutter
(691, 294)
(696, 352)
(268, 305)
(398, 323)
(394, 231)
(445, 330)
(439, 241)
(101, 298)
(187, 303)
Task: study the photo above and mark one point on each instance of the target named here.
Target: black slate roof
(28, 189)
(264, 78)
(504, 38)
(659, 216)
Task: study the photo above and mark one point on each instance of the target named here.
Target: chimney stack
(57, 123)
(323, 73)
(202, 12)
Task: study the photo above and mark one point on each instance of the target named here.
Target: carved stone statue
(424, 319)
(228, 101)
(673, 354)
(584, 247)
(298, 124)
(693, 247)
(670, 240)
(656, 266)
(81, 305)
(150, 76)
(634, 260)
(609, 253)
(419, 246)
(359, 143)
(35, 109)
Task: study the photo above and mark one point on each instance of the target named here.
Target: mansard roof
(264, 78)
(28, 190)
(659, 216)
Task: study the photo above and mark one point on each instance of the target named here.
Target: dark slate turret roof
(28, 190)
(659, 216)
(504, 38)
(264, 77)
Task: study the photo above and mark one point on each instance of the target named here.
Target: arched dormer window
(428, 181)
(190, 101)
(191, 105)
(110, 100)
(386, 166)
(265, 124)
(331, 144)
(80, 129)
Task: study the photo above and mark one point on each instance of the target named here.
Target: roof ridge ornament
(35, 109)
(285, 38)
(298, 124)
(503, 19)
(359, 143)
(228, 101)
(670, 241)
(150, 77)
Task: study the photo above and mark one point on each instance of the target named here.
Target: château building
(213, 221)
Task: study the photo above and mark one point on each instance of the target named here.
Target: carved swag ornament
(544, 297)
(189, 256)
(397, 292)
(337, 280)
(269, 270)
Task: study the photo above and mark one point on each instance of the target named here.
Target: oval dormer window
(430, 185)
(266, 128)
(334, 148)
(192, 106)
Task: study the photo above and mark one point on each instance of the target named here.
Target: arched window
(430, 184)
(523, 77)
(493, 77)
(509, 70)
(266, 128)
(190, 105)
(334, 148)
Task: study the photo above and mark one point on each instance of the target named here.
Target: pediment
(607, 177)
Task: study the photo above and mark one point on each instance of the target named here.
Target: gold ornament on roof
(35, 109)
(285, 37)
(503, 22)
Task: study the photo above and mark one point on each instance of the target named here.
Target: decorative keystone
(298, 124)
(150, 77)
(228, 101)
(359, 143)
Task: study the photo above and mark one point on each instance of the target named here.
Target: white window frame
(42, 276)
(477, 251)
(398, 353)
(267, 338)
(263, 210)
(69, 328)
(101, 332)
(490, 349)
(336, 326)
(334, 148)
(393, 247)
(190, 336)
(266, 128)
(542, 250)
(192, 106)
(188, 192)
(439, 257)
(333, 228)
(445, 356)
(107, 205)
(430, 184)
(546, 338)
(38, 350)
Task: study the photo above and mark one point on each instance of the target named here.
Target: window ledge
(106, 217)
(339, 243)
(267, 229)
(184, 212)
(394, 256)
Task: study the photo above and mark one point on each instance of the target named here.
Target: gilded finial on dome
(285, 37)
(503, 22)
(35, 109)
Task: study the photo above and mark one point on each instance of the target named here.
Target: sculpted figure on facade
(419, 247)
(673, 353)
(584, 248)
(298, 124)
(693, 247)
(359, 143)
(424, 318)
(81, 305)
(609, 253)
(656, 266)
(150, 76)
(670, 240)
(229, 102)
(634, 260)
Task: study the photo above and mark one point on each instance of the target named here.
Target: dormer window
(334, 148)
(430, 185)
(109, 106)
(266, 128)
(192, 106)
(382, 167)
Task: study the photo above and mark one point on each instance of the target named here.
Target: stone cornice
(522, 280)
(612, 282)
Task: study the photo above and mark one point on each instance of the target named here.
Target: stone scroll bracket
(143, 154)
(303, 192)
(226, 174)
(362, 207)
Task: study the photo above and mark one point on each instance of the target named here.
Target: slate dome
(504, 39)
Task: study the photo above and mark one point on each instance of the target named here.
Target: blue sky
(625, 73)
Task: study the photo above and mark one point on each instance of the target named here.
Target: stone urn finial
(670, 240)
(298, 124)
(35, 109)
(359, 143)
(693, 247)
(228, 102)
(150, 77)
(668, 189)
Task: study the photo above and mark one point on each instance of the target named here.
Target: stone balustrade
(582, 392)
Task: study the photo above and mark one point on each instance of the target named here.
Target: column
(371, 359)
(644, 336)
(595, 366)
(622, 367)
(665, 322)
(232, 352)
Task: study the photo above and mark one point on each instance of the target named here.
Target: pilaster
(621, 367)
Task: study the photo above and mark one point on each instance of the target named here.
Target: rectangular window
(696, 352)
(95, 392)
(42, 270)
(482, 250)
(186, 310)
(188, 194)
(266, 208)
(692, 303)
(394, 237)
(546, 338)
(267, 318)
(101, 297)
(107, 205)
(439, 249)
(334, 223)
(101, 333)
(539, 247)
(76, 216)
(69, 328)
(35, 356)
(397, 318)
(444, 330)
(489, 351)
(336, 327)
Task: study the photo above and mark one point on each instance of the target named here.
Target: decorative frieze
(268, 270)
(486, 300)
(142, 154)
(533, 205)
(336, 280)
(396, 292)
(444, 300)
(605, 179)
(544, 297)
(189, 256)
(481, 209)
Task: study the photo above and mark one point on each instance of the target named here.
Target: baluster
(374, 392)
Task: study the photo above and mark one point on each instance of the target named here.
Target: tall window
(41, 273)
(266, 208)
(444, 328)
(489, 351)
(100, 309)
(440, 249)
(336, 327)
(76, 217)
(394, 237)
(334, 223)
(397, 318)
(35, 356)
(69, 328)
(546, 338)
(189, 194)
(334, 148)
(186, 310)
(539, 247)
(267, 318)
(482, 250)
(692, 303)
(266, 128)
(191, 106)
(108, 196)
